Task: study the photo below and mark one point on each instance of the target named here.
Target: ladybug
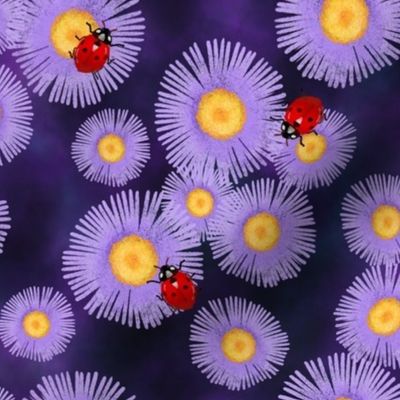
(178, 289)
(301, 117)
(93, 51)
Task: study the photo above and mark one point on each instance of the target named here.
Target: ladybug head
(289, 131)
(167, 272)
(104, 35)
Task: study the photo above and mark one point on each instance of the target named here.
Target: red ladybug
(178, 289)
(93, 51)
(301, 117)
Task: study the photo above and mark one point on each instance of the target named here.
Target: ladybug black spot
(96, 58)
(85, 49)
(173, 294)
(185, 286)
(299, 110)
(310, 119)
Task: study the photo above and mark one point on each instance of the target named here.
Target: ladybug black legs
(301, 141)
(117, 45)
(71, 54)
(316, 133)
(152, 282)
(78, 38)
(181, 264)
(90, 27)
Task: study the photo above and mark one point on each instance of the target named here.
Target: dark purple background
(47, 195)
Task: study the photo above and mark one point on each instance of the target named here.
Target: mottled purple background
(47, 195)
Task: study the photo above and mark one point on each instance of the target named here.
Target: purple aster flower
(4, 223)
(322, 158)
(219, 108)
(111, 147)
(83, 386)
(368, 317)
(371, 219)
(49, 36)
(237, 343)
(15, 116)
(339, 41)
(4, 395)
(113, 254)
(37, 324)
(10, 23)
(264, 232)
(342, 379)
(199, 191)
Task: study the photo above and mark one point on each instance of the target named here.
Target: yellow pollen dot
(221, 114)
(238, 345)
(384, 317)
(66, 26)
(344, 21)
(313, 150)
(261, 232)
(386, 222)
(111, 148)
(200, 203)
(36, 324)
(132, 260)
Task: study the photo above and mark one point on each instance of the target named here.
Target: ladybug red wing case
(91, 54)
(179, 291)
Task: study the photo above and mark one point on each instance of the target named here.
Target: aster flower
(11, 23)
(218, 108)
(113, 252)
(37, 324)
(49, 36)
(264, 233)
(342, 379)
(368, 317)
(338, 41)
(237, 343)
(199, 191)
(371, 219)
(15, 116)
(322, 158)
(111, 147)
(4, 223)
(83, 386)
(4, 395)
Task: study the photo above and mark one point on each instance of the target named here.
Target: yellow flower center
(221, 114)
(111, 148)
(36, 324)
(313, 150)
(386, 222)
(344, 21)
(261, 232)
(343, 398)
(133, 259)
(384, 317)
(200, 203)
(66, 26)
(238, 345)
